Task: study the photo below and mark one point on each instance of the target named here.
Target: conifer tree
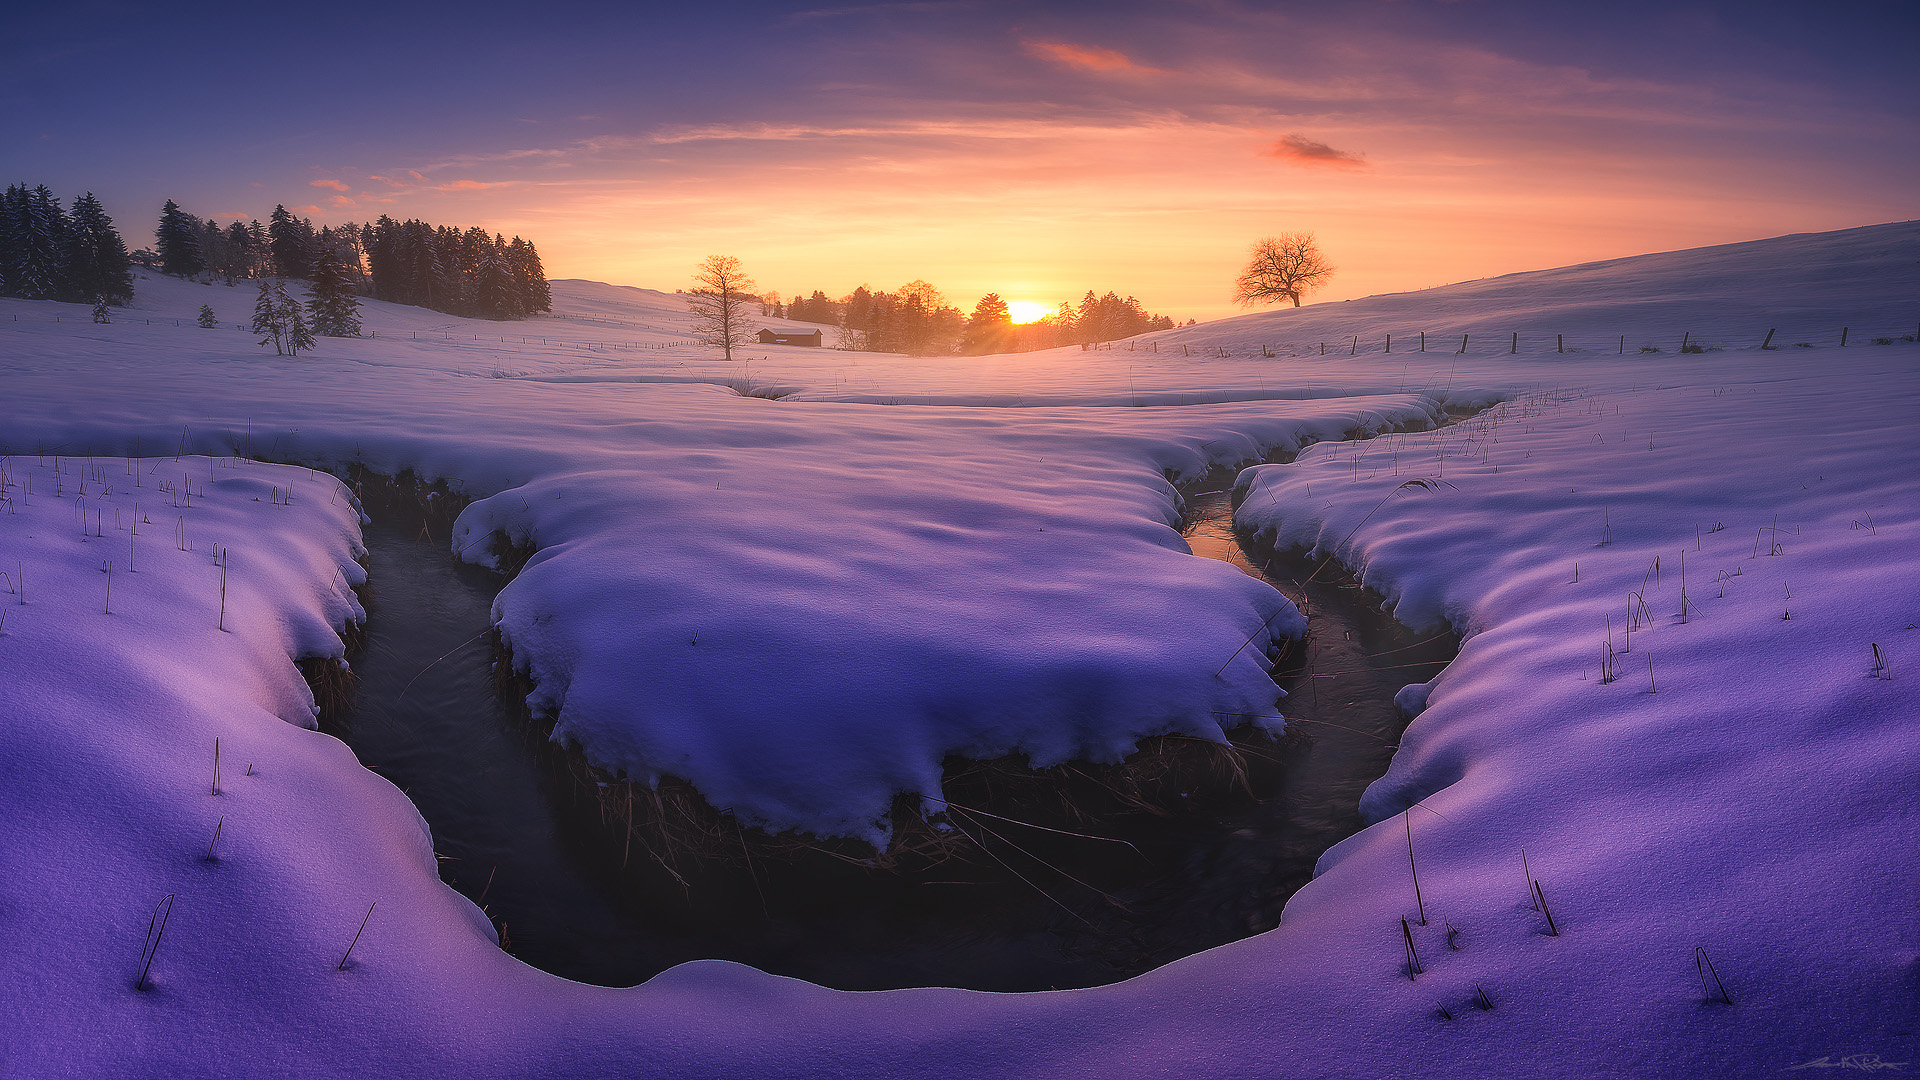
(334, 308)
(535, 294)
(269, 318)
(101, 314)
(496, 294)
(208, 320)
(36, 240)
(290, 244)
(97, 261)
(989, 328)
(178, 242)
(299, 335)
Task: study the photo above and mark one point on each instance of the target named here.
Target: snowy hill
(801, 606)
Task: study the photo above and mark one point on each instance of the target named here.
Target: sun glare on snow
(1026, 311)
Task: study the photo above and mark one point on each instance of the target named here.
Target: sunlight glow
(1026, 311)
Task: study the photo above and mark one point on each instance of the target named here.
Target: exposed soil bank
(1215, 841)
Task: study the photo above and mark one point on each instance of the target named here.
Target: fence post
(1389, 342)
(1560, 343)
(1684, 338)
(1463, 343)
(1423, 341)
(1623, 344)
(1769, 342)
(1323, 348)
(1354, 349)
(1843, 337)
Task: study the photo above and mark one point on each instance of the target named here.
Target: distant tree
(34, 246)
(535, 294)
(97, 261)
(1283, 267)
(102, 313)
(291, 242)
(496, 295)
(719, 299)
(242, 260)
(278, 317)
(299, 335)
(208, 320)
(334, 308)
(267, 318)
(178, 241)
(989, 328)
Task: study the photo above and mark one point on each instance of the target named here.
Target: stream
(512, 837)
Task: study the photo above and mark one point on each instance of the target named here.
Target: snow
(803, 604)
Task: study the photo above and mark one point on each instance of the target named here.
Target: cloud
(406, 178)
(1304, 151)
(334, 184)
(1088, 58)
(341, 202)
(474, 185)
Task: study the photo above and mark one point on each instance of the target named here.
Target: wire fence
(1532, 343)
(1771, 339)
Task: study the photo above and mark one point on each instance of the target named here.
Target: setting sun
(1026, 311)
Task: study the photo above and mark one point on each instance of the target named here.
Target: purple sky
(1033, 150)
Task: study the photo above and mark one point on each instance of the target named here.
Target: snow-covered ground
(803, 604)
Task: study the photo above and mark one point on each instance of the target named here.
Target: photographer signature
(1861, 1062)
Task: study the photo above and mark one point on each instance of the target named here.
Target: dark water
(513, 837)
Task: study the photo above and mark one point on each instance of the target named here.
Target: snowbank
(850, 567)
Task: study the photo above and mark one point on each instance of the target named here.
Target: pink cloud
(334, 184)
(1088, 58)
(1304, 151)
(403, 179)
(473, 185)
(342, 202)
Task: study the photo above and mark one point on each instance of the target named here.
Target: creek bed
(515, 835)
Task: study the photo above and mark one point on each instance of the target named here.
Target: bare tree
(719, 299)
(1283, 267)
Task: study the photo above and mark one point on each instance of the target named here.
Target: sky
(1035, 150)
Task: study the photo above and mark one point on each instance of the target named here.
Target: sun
(1026, 311)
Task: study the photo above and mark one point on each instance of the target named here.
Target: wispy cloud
(334, 184)
(475, 185)
(1301, 150)
(1088, 58)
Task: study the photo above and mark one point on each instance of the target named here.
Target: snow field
(1753, 806)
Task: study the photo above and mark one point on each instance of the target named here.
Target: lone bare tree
(1283, 267)
(719, 299)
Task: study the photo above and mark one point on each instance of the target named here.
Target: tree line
(49, 253)
(460, 272)
(917, 320)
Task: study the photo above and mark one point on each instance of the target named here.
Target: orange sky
(1040, 150)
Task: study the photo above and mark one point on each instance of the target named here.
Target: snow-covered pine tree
(299, 336)
(178, 242)
(535, 293)
(13, 212)
(335, 310)
(38, 244)
(496, 294)
(268, 316)
(97, 261)
(291, 241)
(208, 320)
(101, 313)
